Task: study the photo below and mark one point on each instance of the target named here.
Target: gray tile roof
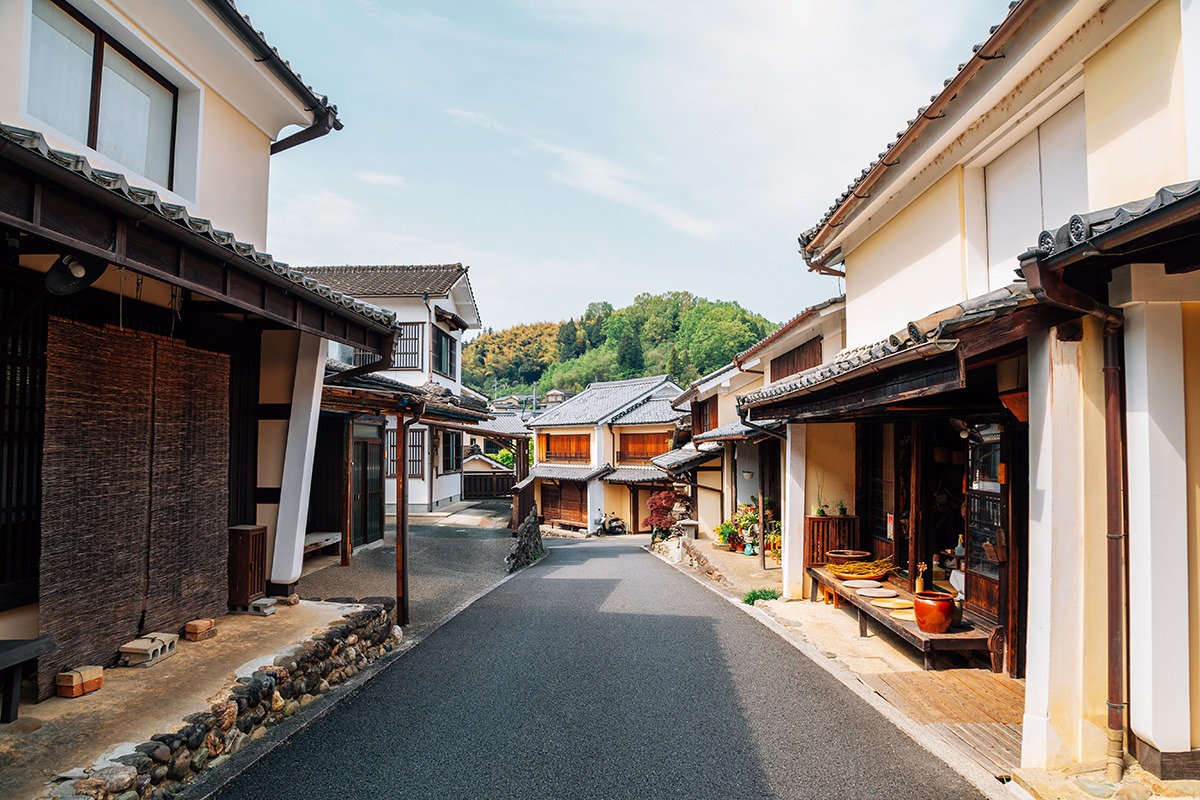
(686, 457)
(651, 411)
(505, 422)
(1081, 229)
(148, 200)
(436, 280)
(257, 40)
(601, 400)
(936, 329)
(787, 328)
(559, 473)
(635, 475)
(442, 406)
(730, 431)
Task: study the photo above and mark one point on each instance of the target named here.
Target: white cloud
(381, 178)
(598, 176)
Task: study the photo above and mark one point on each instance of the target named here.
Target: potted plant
(841, 507)
(820, 509)
(723, 530)
(751, 546)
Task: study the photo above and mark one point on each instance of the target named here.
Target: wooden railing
(479, 485)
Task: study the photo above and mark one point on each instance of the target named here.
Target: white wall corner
(595, 502)
(1054, 669)
(794, 503)
(288, 556)
(1159, 669)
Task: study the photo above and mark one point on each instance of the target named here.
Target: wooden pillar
(402, 519)
(762, 508)
(916, 536)
(633, 507)
(348, 516)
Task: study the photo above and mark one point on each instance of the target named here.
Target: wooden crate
(825, 533)
(247, 564)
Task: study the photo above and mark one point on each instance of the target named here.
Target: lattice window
(416, 454)
(639, 448)
(451, 452)
(410, 346)
(567, 447)
(389, 459)
(704, 415)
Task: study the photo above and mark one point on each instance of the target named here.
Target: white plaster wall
(794, 504)
(911, 267)
(1159, 668)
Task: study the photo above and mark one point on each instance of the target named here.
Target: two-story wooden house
(593, 452)
(1032, 392)
(162, 377)
(434, 306)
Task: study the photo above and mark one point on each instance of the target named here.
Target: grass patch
(754, 595)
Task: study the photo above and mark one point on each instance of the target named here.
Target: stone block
(201, 636)
(148, 650)
(116, 779)
(79, 681)
(199, 625)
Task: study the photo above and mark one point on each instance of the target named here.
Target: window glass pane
(135, 119)
(60, 70)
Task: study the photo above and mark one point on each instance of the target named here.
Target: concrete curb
(974, 774)
(212, 781)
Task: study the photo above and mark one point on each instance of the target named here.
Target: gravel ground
(448, 564)
(601, 673)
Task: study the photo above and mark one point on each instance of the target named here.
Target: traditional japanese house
(1049, 423)
(728, 462)
(593, 452)
(435, 306)
(161, 376)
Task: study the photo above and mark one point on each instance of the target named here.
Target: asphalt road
(601, 673)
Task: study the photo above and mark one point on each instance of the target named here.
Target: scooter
(611, 525)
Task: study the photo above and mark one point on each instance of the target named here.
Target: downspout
(1049, 287)
(742, 412)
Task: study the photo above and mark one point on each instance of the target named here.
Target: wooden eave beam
(74, 214)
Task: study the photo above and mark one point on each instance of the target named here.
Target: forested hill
(675, 333)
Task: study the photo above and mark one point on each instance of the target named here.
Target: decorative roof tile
(732, 432)
(435, 280)
(937, 328)
(115, 182)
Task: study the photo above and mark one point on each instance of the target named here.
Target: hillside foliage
(676, 333)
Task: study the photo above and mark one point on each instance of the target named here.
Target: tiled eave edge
(148, 202)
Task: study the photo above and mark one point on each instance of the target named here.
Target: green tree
(713, 333)
(593, 322)
(570, 341)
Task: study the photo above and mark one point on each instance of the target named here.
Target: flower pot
(934, 611)
(846, 556)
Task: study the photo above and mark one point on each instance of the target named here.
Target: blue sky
(580, 150)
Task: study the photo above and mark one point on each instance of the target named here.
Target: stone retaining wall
(695, 558)
(274, 692)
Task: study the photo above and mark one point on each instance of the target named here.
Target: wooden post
(348, 517)
(402, 519)
(762, 509)
(916, 536)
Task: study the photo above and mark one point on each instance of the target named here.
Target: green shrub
(760, 594)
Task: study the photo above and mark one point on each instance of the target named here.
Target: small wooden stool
(827, 593)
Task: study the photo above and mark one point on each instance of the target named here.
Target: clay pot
(934, 611)
(846, 556)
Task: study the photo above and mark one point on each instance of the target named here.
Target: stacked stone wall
(159, 768)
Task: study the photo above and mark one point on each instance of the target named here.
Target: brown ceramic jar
(934, 611)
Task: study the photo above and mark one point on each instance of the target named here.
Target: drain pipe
(1048, 287)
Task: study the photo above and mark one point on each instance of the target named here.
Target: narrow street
(600, 672)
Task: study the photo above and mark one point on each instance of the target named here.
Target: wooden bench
(569, 524)
(14, 654)
(973, 635)
(319, 541)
